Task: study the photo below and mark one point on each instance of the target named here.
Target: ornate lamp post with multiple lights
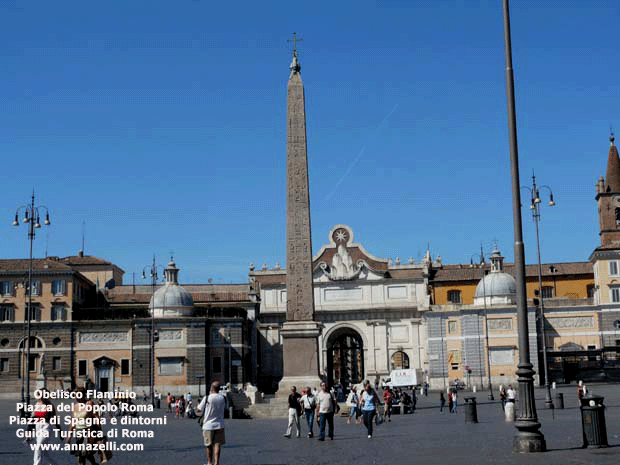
(153, 336)
(32, 217)
(535, 207)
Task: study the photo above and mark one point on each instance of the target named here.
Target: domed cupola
(171, 300)
(496, 287)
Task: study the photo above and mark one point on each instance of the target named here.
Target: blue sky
(160, 126)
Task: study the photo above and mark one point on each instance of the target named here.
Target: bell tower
(608, 198)
(606, 258)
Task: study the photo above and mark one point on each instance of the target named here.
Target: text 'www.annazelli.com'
(111, 446)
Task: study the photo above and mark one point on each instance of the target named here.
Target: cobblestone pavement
(425, 437)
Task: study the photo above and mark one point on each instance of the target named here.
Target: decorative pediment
(342, 259)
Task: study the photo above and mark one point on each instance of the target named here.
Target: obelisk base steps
(300, 349)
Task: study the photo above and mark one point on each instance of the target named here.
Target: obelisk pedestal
(300, 351)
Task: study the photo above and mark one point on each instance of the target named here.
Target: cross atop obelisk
(300, 332)
(295, 40)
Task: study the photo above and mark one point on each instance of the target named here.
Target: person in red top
(388, 396)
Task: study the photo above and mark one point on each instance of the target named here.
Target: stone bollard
(509, 410)
(471, 412)
(593, 421)
(559, 400)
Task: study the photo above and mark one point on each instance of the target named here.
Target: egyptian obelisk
(299, 332)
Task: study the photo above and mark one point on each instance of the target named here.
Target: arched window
(400, 361)
(34, 362)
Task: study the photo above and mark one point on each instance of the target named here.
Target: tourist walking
(294, 411)
(442, 402)
(511, 395)
(308, 402)
(581, 391)
(369, 403)
(46, 421)
(450, 401)
(81, 417)
(502, 396)
(212, 407)
(454, 401)
(388, 397)
(353, 402)
(326, 405)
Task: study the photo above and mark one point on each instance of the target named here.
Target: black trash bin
(593, 421)
(157, 402)
(471, 413)
(559, 400)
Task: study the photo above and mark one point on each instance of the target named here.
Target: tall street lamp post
(535, 207)
(32, 218)
(228, 338)
(528, 437)
(152, 270)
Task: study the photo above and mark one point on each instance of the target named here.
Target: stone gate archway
(345, 358)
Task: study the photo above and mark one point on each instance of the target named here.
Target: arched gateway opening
(345, 358)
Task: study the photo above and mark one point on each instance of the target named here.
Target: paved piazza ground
(425, 437)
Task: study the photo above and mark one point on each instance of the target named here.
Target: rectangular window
(32, 363)
(82, 368)
(36, 287)
(35, 313)
(592, 358)
(56, 363)
(217, 364)
(216, 336)
(613, 268)
(58, 313)
(7, 313)
(454, 296)
(124, 366)
(4, 365)
(6, 288)
(547, 292)
(170, 366)
(59, 287)
(451, 327)
(614, 293)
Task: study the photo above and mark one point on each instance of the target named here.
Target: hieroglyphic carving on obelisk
(300, 299)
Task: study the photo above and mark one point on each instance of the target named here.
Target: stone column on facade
(299, 332)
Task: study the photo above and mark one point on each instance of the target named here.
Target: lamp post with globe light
(535, 207)
(153, 335)
(32, 217)
(486, 325)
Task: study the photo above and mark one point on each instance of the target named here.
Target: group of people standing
(453, 403)
(181, 406)
(323, 405)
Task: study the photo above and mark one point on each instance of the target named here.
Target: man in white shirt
(213, 407)
(325, 412)
(511, 394)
